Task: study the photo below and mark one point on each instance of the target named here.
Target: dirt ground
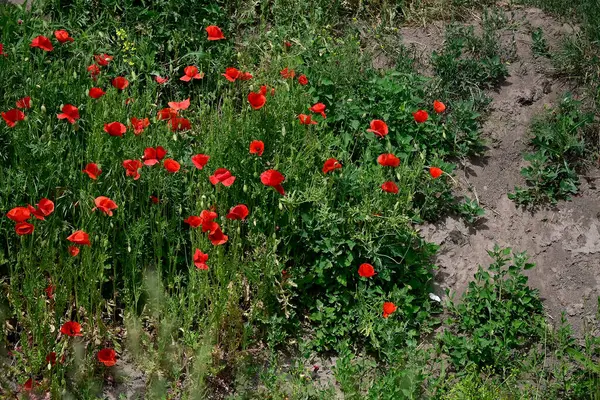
(563, 241)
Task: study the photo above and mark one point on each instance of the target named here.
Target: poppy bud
(280, 206)
(245, 188)
(74, 75)
(238, 230)
(20, 22)
(43, 108)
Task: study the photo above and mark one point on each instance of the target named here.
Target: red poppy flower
(44, 208)
(12, 117)
(366, 270)
(73, 251)
(330, 165)
(200, 260)
(94, 71)
(181, 105)
(232, 74)
(200, 160)
(194, 221)
(208, 224)
(108, 357)
(256, 100)
(306, 119)
(388, 309)
(79, 237)
(191, 72)
(274, 179)
(214, 33)
(63, 36)
(96, 93)
(439, 107)
(420, 116)
(287, 44)
(303, 80)
(51, 358)
(71, 328)
(115, 129)
(42, 42)
(92, 170)
(160, 80)
(171, 165)
(318, 108)
(105, 205)
(388, 160)
(70, 113)
(132, 167)
(36, 213)
(217, 237)
(222, 175)
(435, 172)
(120, 82)
(154, 199)
(238, 212)
(378, 127)
(24, 103)
(166, 113)
(287, 73)
(390, 187)
(50, 291)
(245, 76)
(19, 214)
(2, 53)
(153, 155)
(28, 385)
(139, 125)
(179, 124)
(257, 147)
(103, 59)
(24, 228)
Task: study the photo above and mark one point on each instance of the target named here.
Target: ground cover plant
(193, 191)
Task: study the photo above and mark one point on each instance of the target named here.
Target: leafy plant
(539, 45)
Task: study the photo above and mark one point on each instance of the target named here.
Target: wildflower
(306, 119)
(105, 205)
(115, 129)
(208, 224)
(194, 221)
(24, 228)
(388, 309)
(92, 170)
(191, 72)
(2, 53)
(232, 74)
(181, 105)
(160, 80)
(51, 358)
(79, 237)
(166, 113)
(171, 165)
(179, 124)
(256, 100)
(200, 160)
(19, 214)
(24, 103)
(71, 328)
(73, 251)
(63, 36)
(274, 179)
(120, 83)
(96, 93)
(245, 76)
(45, 207)
(390, 187)
(50, 291)
(439, 107)
(378, 127)
(318, 108)
(214, 33)
(13, 116)
(366, 270)
(287, 73)
(287, 44)
(94, 71)
(420, 116)
(139, 125)
(435, 172)
(42, 42)
(153, 155)
(223, 176)
(303, 80)
(103, 59)
(200, 260)
(238, 212)
(28, 385)
(388, 160)
(108, 357)
(154, 199)
(217, 237)
(70, 113)
(257, 147)
(330, 165)
(132, 167)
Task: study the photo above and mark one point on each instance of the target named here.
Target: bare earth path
(564, 241)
